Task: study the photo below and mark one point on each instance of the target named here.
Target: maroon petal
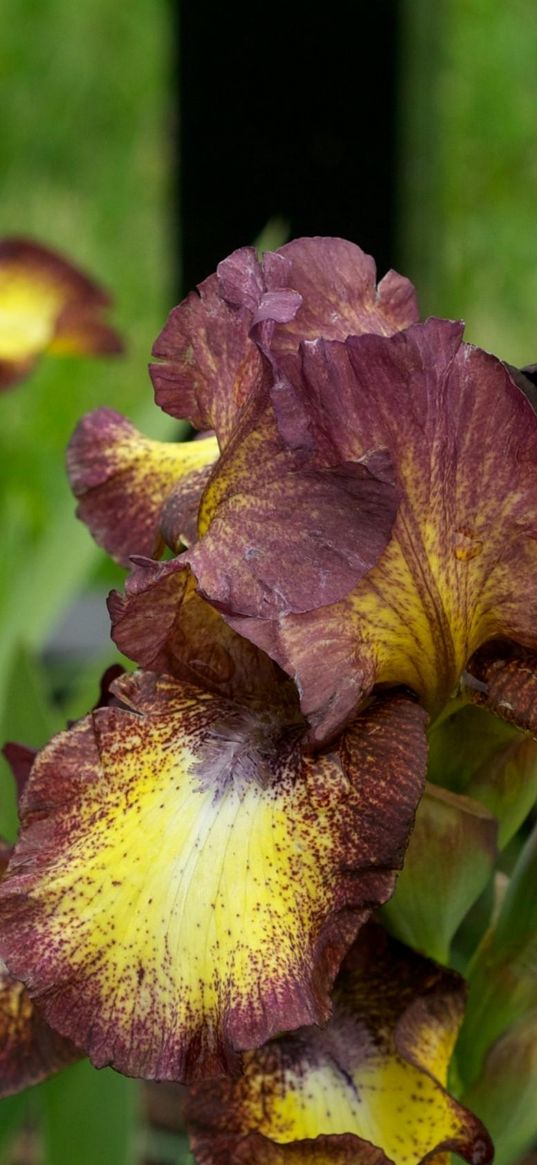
(340, 296)
(125, 483)
(207, 364)
(20, 759)
(460, 566)
(187, 879)
(284, 533)
(165, 626)
(30, 1050)
(503, 678)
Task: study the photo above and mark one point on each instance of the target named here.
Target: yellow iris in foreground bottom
(367, 1089)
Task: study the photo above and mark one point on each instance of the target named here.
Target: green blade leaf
(502, 981)
(504, 1095)
(478, 754)
(456, 836)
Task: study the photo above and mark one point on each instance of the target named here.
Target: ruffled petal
(123, 482)
(460, 565)
(46, 304)
(165, 626)
(207, 363)
(506, 684)
(370, 1086)
(337, 282)
(187, 880)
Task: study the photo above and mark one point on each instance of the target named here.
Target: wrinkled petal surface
(506, 683)
(123, 480)
(369, 1086)
(460, 565)
(282, 532)
(337, 282)
(187, 881)
(165, 626)
(46, 304)
(208, 364)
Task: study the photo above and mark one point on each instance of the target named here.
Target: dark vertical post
(286, 110)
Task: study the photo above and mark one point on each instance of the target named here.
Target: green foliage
(28, 718)
(85, 159)
(504, 1094)
(85, 169)
(89, 1116)
(503, 986)
(473, 752)
(456, 836)
(469, 168)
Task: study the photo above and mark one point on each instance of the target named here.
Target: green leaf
(274, 234)
(478, 754)
(13, 1111)
(448, 863)
(89, 1117)
(502, 978)
(504, 1095)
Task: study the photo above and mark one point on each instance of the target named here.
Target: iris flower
(419, 565)
(355, 537)
(47, 305)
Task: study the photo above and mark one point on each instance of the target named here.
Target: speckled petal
(29, 1049)
(460, 567)
(123, 481)
(208, 363)
(255, 1149)
(506, 684)
(46, 304)
(187, 881)
(370, 1086)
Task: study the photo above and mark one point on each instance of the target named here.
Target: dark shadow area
(290, 111)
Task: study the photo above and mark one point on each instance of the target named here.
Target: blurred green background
(87, 153)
